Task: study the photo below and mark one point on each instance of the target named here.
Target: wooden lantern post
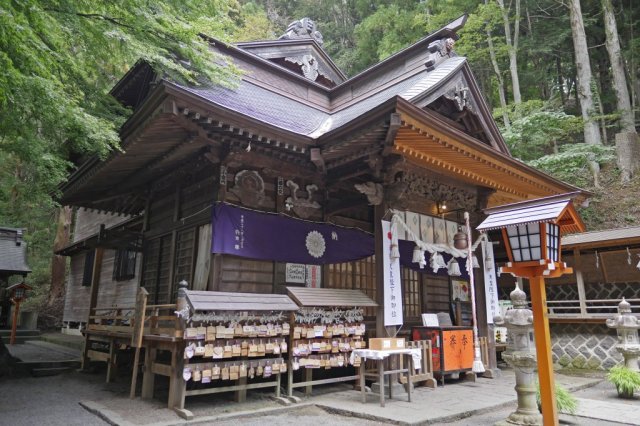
(17, 292)
(531, 231)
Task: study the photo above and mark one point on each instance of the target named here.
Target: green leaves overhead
(58, 61)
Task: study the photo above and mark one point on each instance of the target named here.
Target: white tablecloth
(416, 354)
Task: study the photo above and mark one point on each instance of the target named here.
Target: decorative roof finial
(301, 29)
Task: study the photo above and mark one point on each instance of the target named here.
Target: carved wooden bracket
(373, 191)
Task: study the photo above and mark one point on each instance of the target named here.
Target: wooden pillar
(148, 378)
(93, 300)
(14, 322)
(543, 350)
(580, 283)
(217, 259)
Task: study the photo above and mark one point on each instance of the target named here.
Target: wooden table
(379, 357)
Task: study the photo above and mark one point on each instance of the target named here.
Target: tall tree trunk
(59, 263)
(627, 140)
(512, 45)
(617, 69)
(584, 77)
(560, 82)
(496, 69)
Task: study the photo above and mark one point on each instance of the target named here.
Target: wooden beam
(317, 159)
(394, 124)
(344, 204)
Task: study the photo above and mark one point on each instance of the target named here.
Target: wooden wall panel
(110, 293)
(245, 275)
(436, 295)
(76, 302)
(87, 222)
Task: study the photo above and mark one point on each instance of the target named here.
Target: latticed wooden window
(124, 265)
(411, 299)
(185, 248)
(357, 275)
(155, 275)
(87, 273)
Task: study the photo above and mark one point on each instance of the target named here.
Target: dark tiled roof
(286, 113)
(264, 105)
(13, 256)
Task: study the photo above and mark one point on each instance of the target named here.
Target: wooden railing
(592, 309)
(159, 320)
(423, 375)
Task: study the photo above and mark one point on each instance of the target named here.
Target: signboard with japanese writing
(299, 273)
(490, 282)
(295, 273)
(392, 283)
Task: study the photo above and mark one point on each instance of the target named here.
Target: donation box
(452, 347)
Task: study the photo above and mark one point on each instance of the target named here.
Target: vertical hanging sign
(392, 284)
(490, 282)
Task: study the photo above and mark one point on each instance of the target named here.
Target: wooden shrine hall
(296, 138)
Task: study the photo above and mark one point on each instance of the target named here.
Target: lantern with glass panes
(533, 242)
(531, 231)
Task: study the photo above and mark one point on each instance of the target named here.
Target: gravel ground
(50, 401)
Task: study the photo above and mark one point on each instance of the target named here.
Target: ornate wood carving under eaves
(459, 93)
(308, 63)
(303, 207)
(249, 188)
(422, 186)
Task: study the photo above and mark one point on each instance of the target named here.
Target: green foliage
(537, 129)
(58, 61)
(253, 24)
(571, 163)
(565, 402)
(625, 380)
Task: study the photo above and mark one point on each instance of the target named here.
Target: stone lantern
(521, 356)
(626, 324)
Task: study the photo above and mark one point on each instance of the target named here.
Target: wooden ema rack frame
(323, 299)
(207, 302)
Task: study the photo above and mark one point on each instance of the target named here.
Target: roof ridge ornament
(302, 29)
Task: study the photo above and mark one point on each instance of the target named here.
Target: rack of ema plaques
(326, 328)
(234, 342)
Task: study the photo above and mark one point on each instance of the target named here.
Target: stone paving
(77, 398)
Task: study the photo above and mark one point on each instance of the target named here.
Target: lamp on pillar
(17, 293)
(531, 231)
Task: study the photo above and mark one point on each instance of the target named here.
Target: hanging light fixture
(441, 206)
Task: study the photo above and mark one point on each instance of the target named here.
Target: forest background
(561, 76)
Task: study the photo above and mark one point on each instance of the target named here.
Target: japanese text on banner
(490, 282)
(392, 283)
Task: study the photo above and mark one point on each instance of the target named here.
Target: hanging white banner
(490, 281)
(392, 283)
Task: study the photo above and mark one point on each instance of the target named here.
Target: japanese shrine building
(298, 138)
